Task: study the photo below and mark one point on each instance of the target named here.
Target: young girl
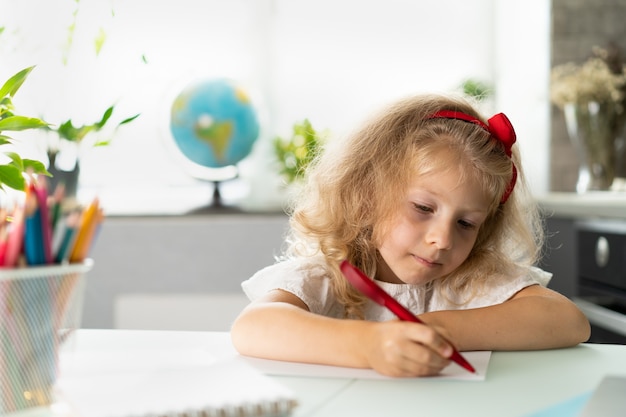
(430, 201)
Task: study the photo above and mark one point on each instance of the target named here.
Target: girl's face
(435, 228)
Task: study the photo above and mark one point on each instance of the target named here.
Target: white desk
(517, 383)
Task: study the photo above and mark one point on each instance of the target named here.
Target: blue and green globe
(214, 123)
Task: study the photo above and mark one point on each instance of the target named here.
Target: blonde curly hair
(355, 185)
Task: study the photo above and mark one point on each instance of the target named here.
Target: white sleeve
(540, 276)
(502, 291)
(307, 281)
(496, 292)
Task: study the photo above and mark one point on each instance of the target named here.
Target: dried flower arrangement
(593, 98)
(601, 79)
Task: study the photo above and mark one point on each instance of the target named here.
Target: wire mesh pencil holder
(39, 308)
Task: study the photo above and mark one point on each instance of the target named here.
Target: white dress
(308, 280)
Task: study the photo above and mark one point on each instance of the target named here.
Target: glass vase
(595, 130)
(591, 129)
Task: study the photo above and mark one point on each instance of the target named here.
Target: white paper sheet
(479, 360)
(206, 356)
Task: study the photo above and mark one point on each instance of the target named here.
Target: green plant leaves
(35, 167)
(105, 118)
(16, 123)
(10, 87)
(12, 173)
(476, 89)
(69, 132)
(12, 177)
(295, 153)
(130, 119)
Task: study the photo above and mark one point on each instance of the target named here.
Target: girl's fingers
(430, 338)
(409, 349)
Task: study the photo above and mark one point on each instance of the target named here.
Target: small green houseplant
(77, 135)
(13, 168)
(67, 140)
(476, 89)
(295, 153)
(67, 130)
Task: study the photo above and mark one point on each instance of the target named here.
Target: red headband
(499, 127)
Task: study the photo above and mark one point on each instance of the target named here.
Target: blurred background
(333, 62)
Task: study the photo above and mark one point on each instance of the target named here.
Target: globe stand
(217, 195)
(217, 204)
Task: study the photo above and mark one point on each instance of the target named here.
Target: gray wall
(176, 256)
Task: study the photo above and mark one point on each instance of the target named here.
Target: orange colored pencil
(88, 224)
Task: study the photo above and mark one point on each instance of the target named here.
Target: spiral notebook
(224, 388)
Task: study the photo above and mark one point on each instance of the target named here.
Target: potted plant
(295, 153)
(476, 89)
(68, 135)
(13, 168)
(67, 139)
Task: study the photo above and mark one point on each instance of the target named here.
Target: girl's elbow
(584, 328)
(240, 335)
(579, 329)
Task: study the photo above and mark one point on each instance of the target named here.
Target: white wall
(331, 61)
(522, 65)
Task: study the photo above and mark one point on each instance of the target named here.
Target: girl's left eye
(466, 225)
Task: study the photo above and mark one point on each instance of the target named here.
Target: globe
(214, 126)
(214, 123)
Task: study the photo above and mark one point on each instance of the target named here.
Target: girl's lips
(426, 262)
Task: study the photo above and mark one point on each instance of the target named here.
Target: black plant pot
(68, 178)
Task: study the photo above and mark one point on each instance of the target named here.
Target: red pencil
(369, 288)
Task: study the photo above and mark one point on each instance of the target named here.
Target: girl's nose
(440, 235)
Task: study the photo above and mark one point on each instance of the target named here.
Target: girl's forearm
(543, 320)
(276, 330)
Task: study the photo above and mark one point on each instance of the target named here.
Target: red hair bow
(499, 127)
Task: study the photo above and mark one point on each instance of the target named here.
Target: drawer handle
(602, 251)
(602, 316)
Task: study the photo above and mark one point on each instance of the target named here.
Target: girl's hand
(405, 349)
